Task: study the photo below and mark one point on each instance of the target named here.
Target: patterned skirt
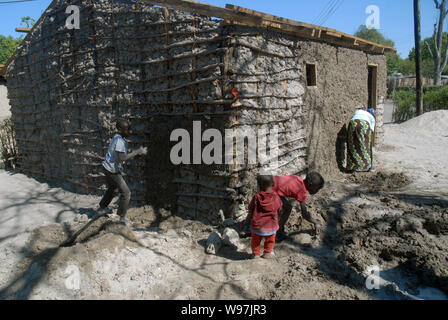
(359, 146)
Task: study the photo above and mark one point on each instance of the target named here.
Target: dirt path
(389, 108)
(394, 219)
(26, 203)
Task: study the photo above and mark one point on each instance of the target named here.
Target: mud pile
(405, 231)
(380, 180)
(415, 243)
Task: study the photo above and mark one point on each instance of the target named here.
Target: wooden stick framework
(162, 70)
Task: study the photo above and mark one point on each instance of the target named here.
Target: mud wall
(270, 73)
(342, 85)
(264, 69)
(163, 70)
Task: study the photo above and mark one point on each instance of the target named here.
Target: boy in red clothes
(295, 188)
(264, 209)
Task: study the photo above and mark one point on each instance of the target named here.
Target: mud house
(166, 64)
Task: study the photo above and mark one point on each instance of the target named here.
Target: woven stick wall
(163, 70)
(67, 88)
(265, 71)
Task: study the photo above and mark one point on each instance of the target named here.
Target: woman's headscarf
(372, 111)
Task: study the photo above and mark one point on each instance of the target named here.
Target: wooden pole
(24, 30)
(418, 58)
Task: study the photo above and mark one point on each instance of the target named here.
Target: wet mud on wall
(342, 85)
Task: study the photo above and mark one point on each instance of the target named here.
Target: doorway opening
(372, 86)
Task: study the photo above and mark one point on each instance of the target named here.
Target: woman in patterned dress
(360, 141)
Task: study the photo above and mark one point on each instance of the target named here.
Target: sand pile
(418, 148)
(431, 122)
(109, 263)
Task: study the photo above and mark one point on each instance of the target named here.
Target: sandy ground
(394, 220)
(418, 148)
(26, 203)
(389, 109)
(4, 103)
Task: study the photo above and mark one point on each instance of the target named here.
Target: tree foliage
(395, 64)
(425, 51)
(373, 35)
(28, 21)
(428, 62)
(7, 47)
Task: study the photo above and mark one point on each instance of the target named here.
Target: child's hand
(317, 227)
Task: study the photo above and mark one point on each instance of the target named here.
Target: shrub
(405, 105)
(434, 98)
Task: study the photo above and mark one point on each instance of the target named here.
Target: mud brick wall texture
(342, 77)
(163, 69)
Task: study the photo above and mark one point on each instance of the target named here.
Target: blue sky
(396, 16)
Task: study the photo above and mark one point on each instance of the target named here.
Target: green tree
(425, 50)
(395, 64)
(373, 35)
(8, 46)
(28, 21)
(428, 62)
(406, 67)
(439, 55)
(428, 68)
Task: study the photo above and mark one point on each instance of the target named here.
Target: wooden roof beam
(203, 9)
(24, 30)
(329, 31)
(276, 18)
(243, 16)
